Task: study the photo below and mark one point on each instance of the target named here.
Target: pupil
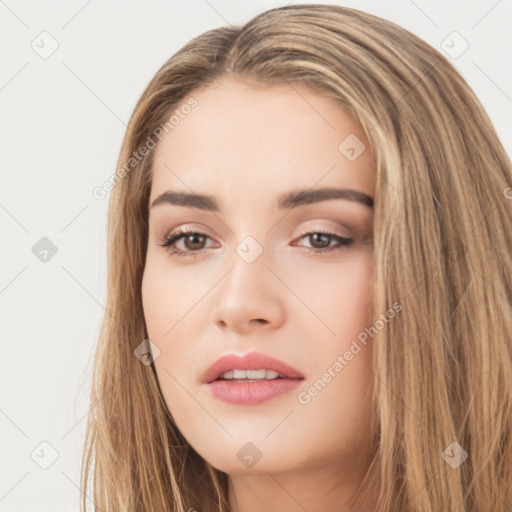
(318, 235)
(193, 239)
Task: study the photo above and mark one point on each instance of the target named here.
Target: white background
(62, 120)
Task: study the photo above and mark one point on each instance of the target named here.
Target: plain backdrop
(70, 75)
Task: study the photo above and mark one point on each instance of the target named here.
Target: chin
(247, 458)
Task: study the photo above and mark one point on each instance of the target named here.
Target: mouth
(238, 375)
(251, 379)
(252, 367)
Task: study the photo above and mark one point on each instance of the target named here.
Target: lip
(251, 361)
(251, 392)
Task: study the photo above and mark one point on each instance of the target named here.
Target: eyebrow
(286, 201)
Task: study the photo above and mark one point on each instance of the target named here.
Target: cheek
(350, 306)
(339, 295)
(162, 311)
(171, 307)
(167, 298)
(155, 301)
(335, 403)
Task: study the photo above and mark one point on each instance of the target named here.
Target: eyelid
(191, 227)
(305, 229)
(335, 228)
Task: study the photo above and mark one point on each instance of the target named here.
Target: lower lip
(250, 393)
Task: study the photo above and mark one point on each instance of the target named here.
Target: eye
(321, 241)
(194, 242)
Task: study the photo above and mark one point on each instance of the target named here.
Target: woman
(309, 287)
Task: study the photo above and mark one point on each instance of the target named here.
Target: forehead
(244, 138)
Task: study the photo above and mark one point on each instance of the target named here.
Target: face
(291, 280)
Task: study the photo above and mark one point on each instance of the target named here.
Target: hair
(442, 248)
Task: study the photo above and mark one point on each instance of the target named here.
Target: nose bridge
(247, 292)
(248, 275)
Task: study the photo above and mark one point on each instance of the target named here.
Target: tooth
(256, 374)
(250, 374)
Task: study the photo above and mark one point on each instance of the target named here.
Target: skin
(245, 145)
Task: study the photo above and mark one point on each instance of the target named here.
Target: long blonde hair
(442, 248)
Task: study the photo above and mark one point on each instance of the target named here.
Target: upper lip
(252, 361)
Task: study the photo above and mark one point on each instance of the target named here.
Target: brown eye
(320, 240)
(194, 241)
(184, 242)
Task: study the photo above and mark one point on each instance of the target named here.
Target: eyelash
(170, 240)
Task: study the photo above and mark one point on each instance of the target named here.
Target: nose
(250, 296)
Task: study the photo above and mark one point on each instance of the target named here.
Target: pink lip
(251, 361)
(249, 393)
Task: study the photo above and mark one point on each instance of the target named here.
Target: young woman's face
(289, 279)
